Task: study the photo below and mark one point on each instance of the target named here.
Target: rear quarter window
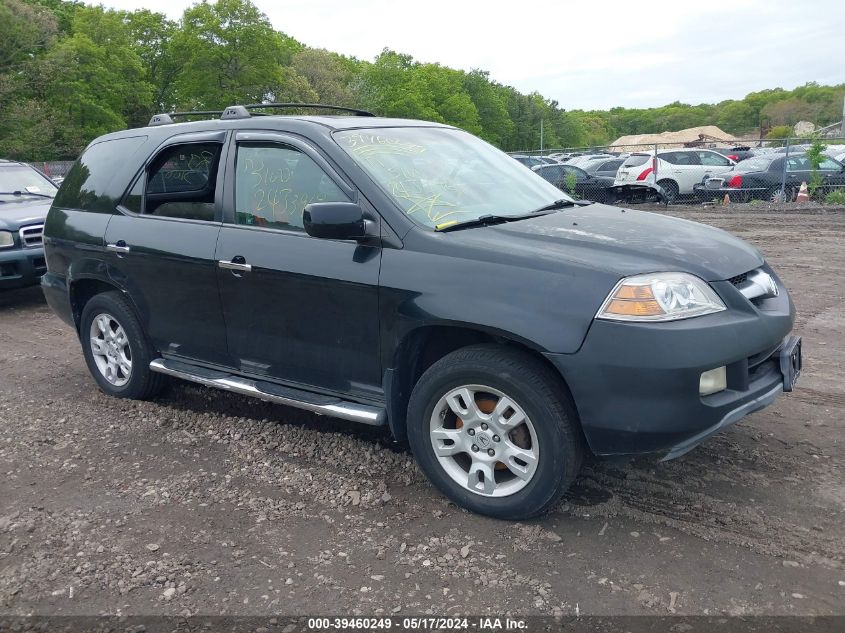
(635, 160)
(87, 182)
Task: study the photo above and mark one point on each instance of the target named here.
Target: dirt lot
(205, 502)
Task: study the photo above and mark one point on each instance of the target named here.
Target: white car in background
(677, 171)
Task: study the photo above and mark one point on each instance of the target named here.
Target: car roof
(270, 122)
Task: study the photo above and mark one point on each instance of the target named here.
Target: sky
(585, 55)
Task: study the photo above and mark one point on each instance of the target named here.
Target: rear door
(300, 310)
(161, 247)
(684, 167)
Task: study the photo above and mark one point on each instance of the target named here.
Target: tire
(670, 188)
(121, 342)
(779, 194)
(518, 384)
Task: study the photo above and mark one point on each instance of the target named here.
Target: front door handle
(238, 263)
(118, 247)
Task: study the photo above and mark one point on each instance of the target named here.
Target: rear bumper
(21, 267)
(636, 386)
(56, 293)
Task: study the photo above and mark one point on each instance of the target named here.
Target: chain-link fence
(54, 169)
(704, 171)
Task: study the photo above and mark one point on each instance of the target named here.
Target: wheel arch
(82, 289)
(423, 346)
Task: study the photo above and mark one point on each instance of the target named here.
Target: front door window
(274, 183)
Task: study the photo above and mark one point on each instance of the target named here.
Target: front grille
(32, 236)
(739, 279)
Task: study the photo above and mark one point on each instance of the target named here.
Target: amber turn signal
(633, 301)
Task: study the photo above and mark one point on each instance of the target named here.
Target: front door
(161, 249)
(298, 309)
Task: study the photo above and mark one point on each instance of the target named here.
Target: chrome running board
(316, 403)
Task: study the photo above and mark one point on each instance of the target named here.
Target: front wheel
(493, 430)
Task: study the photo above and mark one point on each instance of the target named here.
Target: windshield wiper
(562, 204)
(24, 193)
(485, 220)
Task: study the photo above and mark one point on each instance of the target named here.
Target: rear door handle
(238, 263)
(118, 247)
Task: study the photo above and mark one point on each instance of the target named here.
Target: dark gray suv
(408, 274)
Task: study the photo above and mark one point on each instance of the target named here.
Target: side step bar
(322, 405)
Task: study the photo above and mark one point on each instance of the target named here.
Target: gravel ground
(203, 502)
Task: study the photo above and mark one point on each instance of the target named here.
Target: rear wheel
(779, 194)
(115, 348)
(670, 188)
(492, 429)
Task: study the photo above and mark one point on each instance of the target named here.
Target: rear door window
(799, 163)
(181, 182)
(681, 158)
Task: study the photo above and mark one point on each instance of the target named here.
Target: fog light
(713, 381)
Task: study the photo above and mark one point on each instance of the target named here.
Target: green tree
(25, 31)
(328, 74)
(151, 36)
(230, 53)
(491, 104)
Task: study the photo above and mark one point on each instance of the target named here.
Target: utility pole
(541, 135)
(843, 116)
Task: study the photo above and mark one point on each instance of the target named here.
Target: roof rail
(322, 106)
(243, 112)
(167, 117)
(235, 112)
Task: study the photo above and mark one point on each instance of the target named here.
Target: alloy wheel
(484, 440)
(110, 348)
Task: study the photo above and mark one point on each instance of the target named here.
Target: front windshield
(24, 179)
(438, 175)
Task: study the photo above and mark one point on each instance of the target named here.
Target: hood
(623, 241)
(14, 215)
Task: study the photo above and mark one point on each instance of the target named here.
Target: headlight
(660, 297)
(6, 239)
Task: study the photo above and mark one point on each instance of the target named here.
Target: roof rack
(320, 106)
(243, 112)
(167, 117)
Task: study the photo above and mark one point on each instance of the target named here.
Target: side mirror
(334, 220)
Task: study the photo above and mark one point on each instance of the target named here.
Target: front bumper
(636, 385)
(21, 267)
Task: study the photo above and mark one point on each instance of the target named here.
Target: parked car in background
(547, 160)
(588, 159)
(762, 178)
(606, 167)
(597, 187)
(575, 181)
(528, 161)
(677, 170)
(25, 197)
(736, 154)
